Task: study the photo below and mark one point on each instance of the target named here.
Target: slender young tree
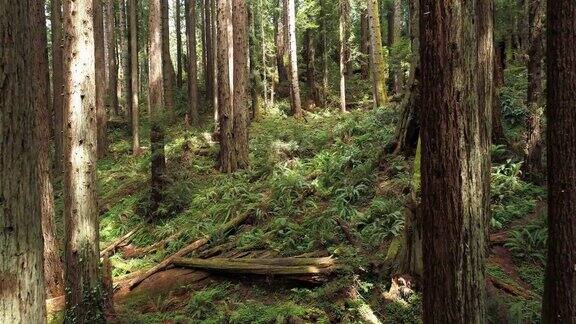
(134, 76)
(309, 56)
(167, 67)
(156, 92)
(533, 138)
(377, 63)
(560, 284)
(290, 14)
(190, 7)
(100, 66)
(125, 58)
(83, 303)
(364, 44)
(21, 266)
(241, 80)
(344, 33)
(111, 60)
(456, 60)
(209, 67)
(395, 36)
(280, 42)
(57, 80)
(53, 273)
(178, 25)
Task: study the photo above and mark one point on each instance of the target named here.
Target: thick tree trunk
(533, 167)
(192, 64)
(560, 285)
(57, 81)
(396, 36)
(209, 72)
(167, 66)
(227, 156)
(409, 127)
(344, 53)
(53, 273)
(112, 64)
(310, 59)
(156, 91)
(456, 59)
(241, 79)
(290, 13)
(179, 41)
(279, 26)
(83, 303)
(125, 59)
(377, 63)
(101, 83)
(134, 76)
(21, 266)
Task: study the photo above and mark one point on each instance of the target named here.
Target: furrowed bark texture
(560, 284)
(21, 268)
(192, 64)
(456, 54)
(378, 67)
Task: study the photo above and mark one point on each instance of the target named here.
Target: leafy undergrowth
(305, 176)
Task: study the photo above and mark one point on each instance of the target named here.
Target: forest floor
(317, 187)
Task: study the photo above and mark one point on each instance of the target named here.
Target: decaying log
(189, 248)
(508, 288)
(316, 267)
(121, 239)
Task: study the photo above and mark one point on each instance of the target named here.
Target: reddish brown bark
(560, 283)
(192, 61)
(241, 80)
(57, 80)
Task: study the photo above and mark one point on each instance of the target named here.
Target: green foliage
(259, 313)
(405, 314)
(203, 305)
(533, 275)
(525, 311)
(529, 243)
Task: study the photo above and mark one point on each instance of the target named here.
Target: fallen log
(139, 252)
(189, 248)
(508, 288)
(121, 239)
(272, 266)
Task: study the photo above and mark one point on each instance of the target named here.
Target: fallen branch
(510, 289)
(188, 249)
(139, 252)
(272, 266)
(121, 239)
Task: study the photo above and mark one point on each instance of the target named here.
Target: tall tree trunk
(209, 69)
(377, 63)
(396, 37)
(21, 266)
(344, 33)
(280, 41)
(125, 59)
(167, 67)
(498, 136)
(112, 65)
(192, 64)
(364, 44)
(456, 59)
(57, 81)
(323, 50)
(241, 79)
(134, 76)
(179, 41)
(533, 138)
(227, 156)
(408, 129)
(101, 83)
(83, 302)
(53, 273)
(156, 91)
(215, 87)
(290, 13)
(204, 49)
(560, 285)
(310, 59)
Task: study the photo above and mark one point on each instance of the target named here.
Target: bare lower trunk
(378, 65)
(167, 67)
(179, 40)
(100, 66)
(156, 92)
(134, 77)
(125, 59)
(310, 59)
(112, 64)
(53, 274)
(456, 62)
(290, 13)
(21, 266)
(279, 26)
(192, 64)
(560, 284)
(364, 44)
(241, 79)
(83, 300)
(57, 81)
(344, 33)
(498, 136)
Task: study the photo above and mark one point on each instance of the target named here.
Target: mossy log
(189, 248)
(122, 239)
(142, 251)
(271, 266)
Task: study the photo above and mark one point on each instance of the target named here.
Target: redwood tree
(83, 302)
(134, 76)
(190, 8)
(241, 80)
(377, 63)
(21, 266)
(560, 284)
(57, 79)
(100, 66)
(290, 14)
(456, 60)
